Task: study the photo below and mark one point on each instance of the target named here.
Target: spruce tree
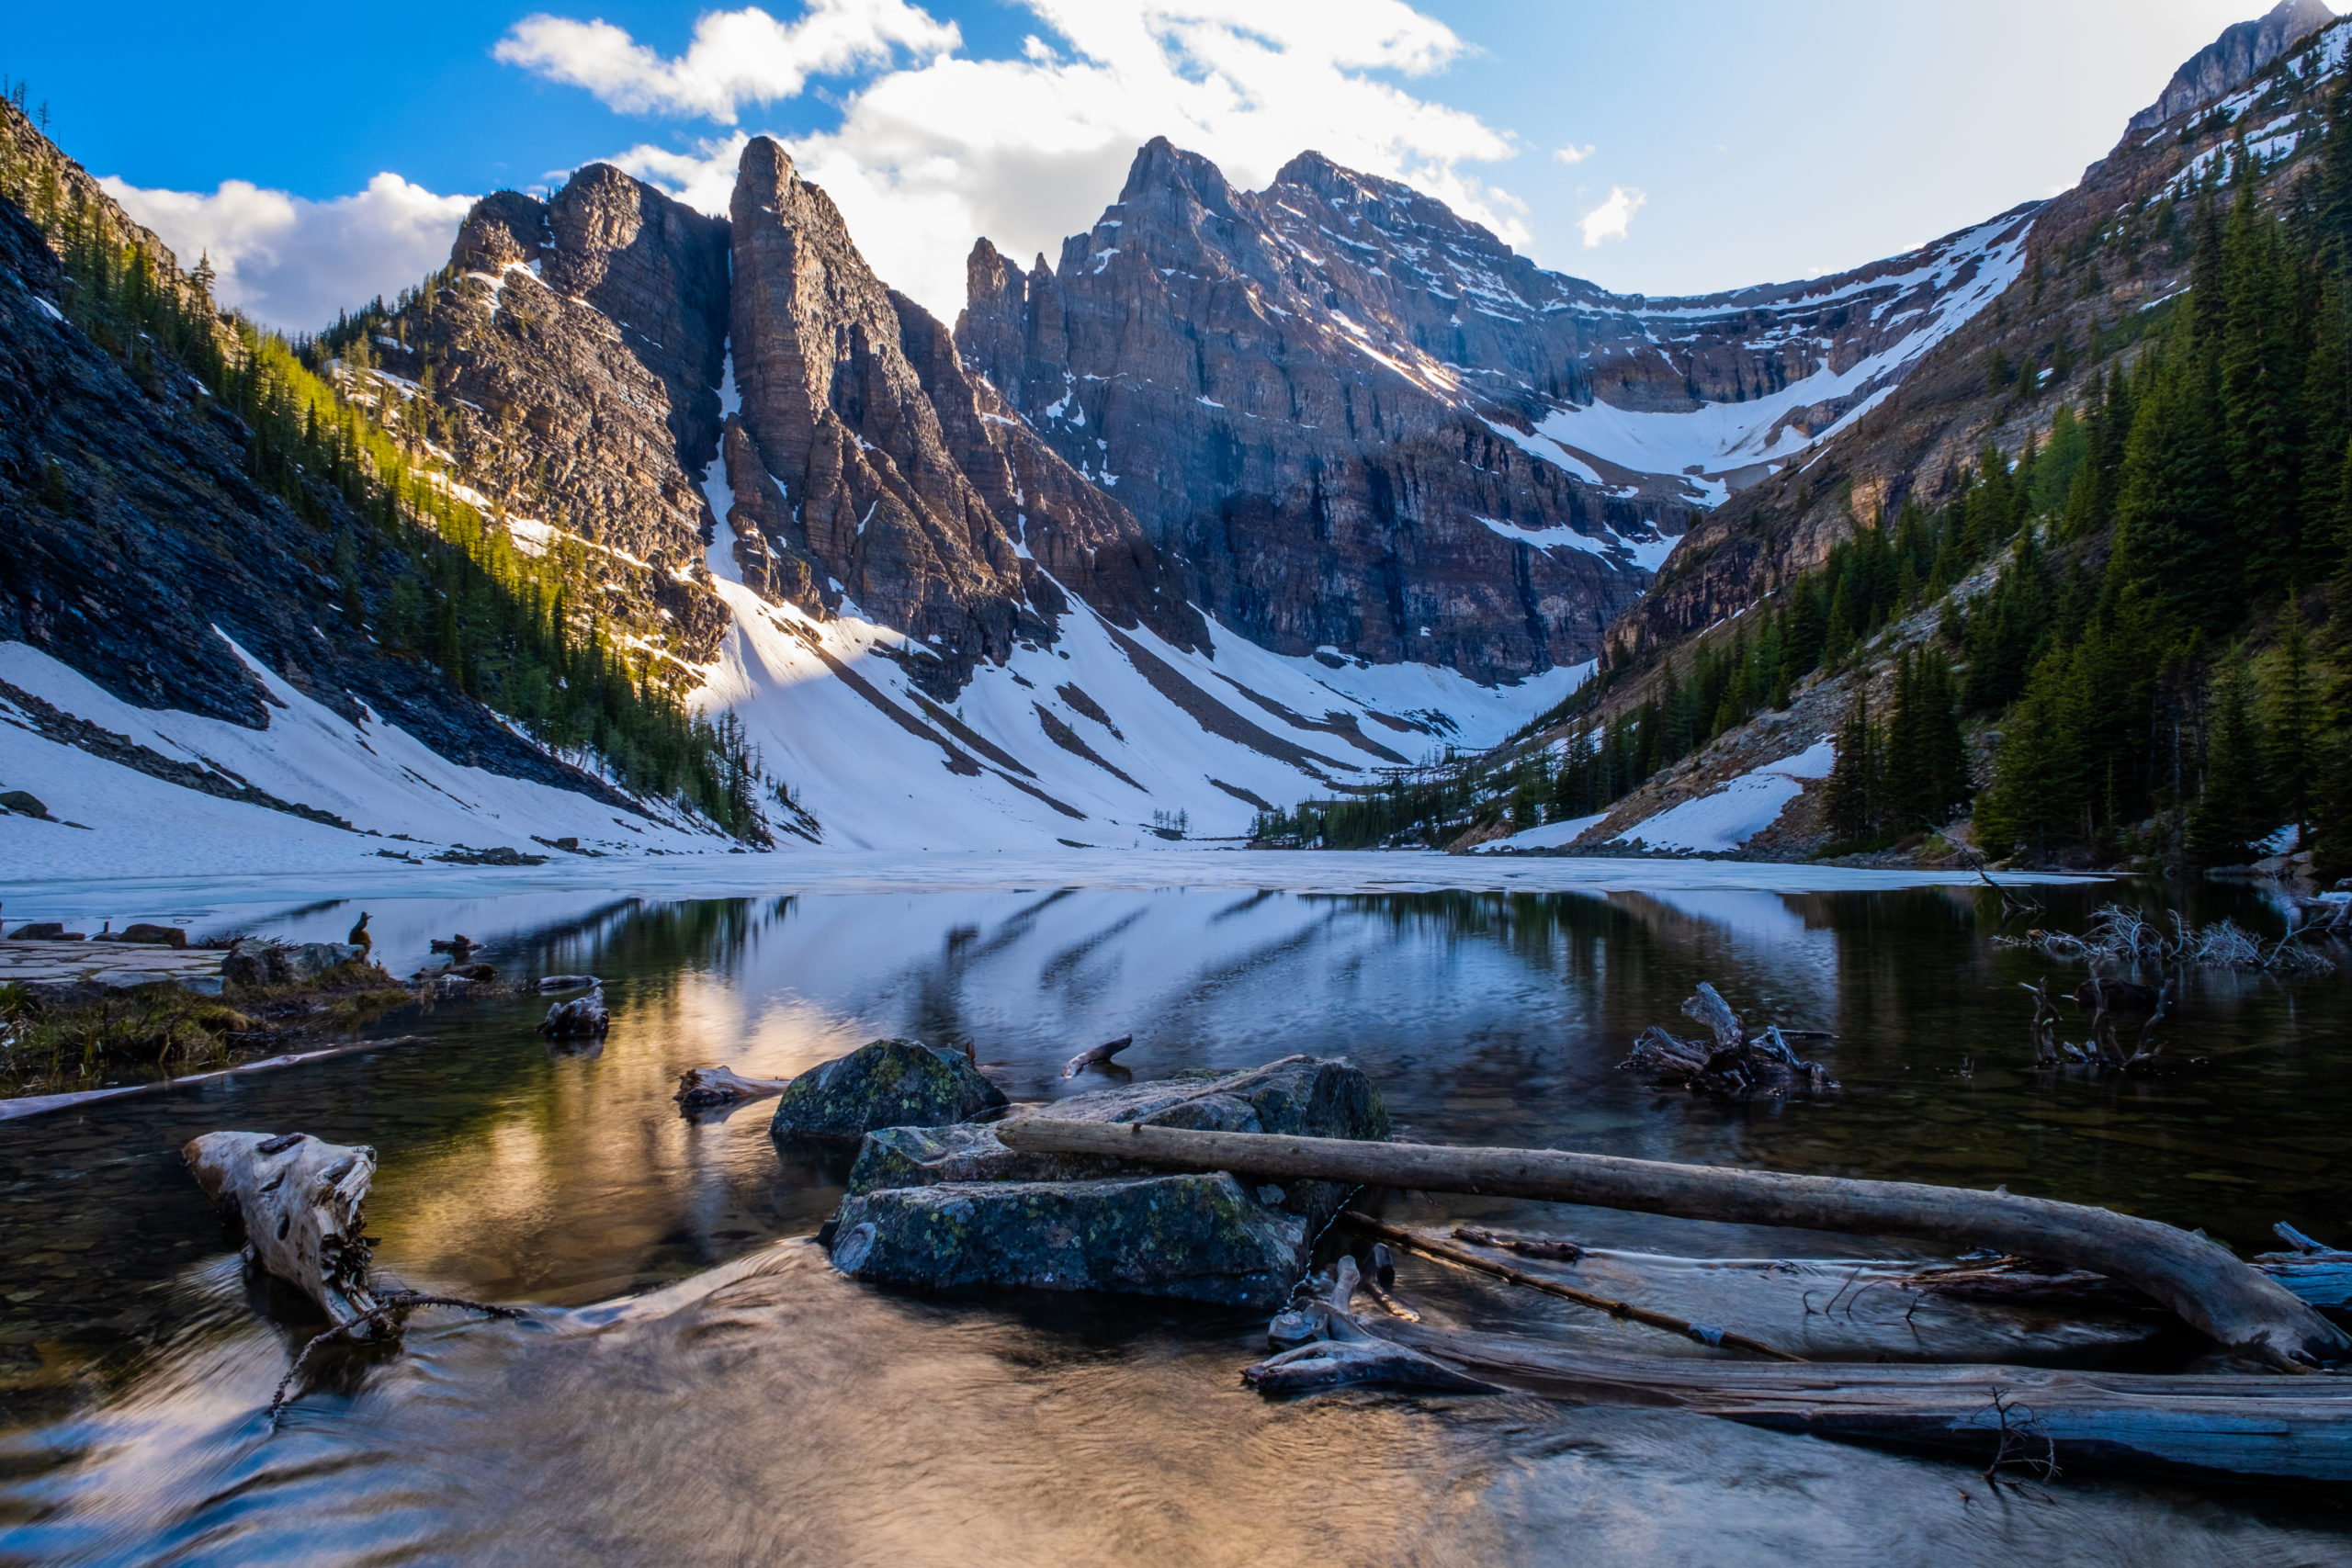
(1849, 800)
(2232, 809)
(2293, 740)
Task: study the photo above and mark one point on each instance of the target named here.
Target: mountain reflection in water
(733, 1400)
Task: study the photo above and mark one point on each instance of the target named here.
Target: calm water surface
(702, 1388)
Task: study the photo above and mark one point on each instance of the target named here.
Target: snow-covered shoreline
(767, 875)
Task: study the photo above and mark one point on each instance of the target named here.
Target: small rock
(154, 935)
(885, 1083)
(42, 930)
(25, 804)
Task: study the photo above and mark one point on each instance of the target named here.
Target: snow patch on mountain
(397, 793)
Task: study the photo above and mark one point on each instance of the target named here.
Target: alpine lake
(694, 1383)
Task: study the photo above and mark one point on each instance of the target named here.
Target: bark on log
(2198, 1278)
(298, 1201)
(700, 1088)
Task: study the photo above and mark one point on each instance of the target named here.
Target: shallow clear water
(733, 1400)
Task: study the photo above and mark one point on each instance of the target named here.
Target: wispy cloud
(931, 154)
(293, 263)
(737, 58)
(1613, 216)
(1574, 154)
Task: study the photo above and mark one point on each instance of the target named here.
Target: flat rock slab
(1201, 1237)
(885, 1083)
(50, 968)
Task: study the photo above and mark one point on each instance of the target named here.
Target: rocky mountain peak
(2232, 59)
(505, 228)
(872, 469)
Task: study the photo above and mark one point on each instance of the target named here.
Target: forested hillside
(271, 462)
(2137, 600)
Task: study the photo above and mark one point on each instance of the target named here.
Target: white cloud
(736, 58)
(1611, 218)
(1574, 154)
(932, 154)
(292, 263)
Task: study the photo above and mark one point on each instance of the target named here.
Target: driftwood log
(1735, 1065)
(2199, 1279)
(578, 1017)
(702, 1088)
(298, 1200)
(1094, 1056)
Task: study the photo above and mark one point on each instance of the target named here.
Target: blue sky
(1708, 143)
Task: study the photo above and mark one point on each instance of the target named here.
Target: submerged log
(701, 1088)
(2198, 1278)
(1704, 1334)
(1860, 1309)
(298, 1200)
(1349, 1363)
(2230, 1427)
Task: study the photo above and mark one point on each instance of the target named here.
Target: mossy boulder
(885, 1083)
(1201, 1237)
(951, 1205)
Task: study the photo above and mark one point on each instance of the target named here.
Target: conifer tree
(2291, 723)
(2232, 808)
(1853, 779)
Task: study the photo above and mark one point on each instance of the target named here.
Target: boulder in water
(885, 1083)
(1200, 1236)
(949, 1206)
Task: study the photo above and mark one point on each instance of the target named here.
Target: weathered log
(1704, 1334)
(1347, 1363)
(1737, 1065)
(1097, 1055)
(582, 1016)
(2196, 1277)
(2241, 1428)
(700, 1088)
(565, 982)
(1857, 1309)
(298, 1202)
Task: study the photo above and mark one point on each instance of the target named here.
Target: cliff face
(870, 468)
(2234, 58)
(1358, 421)
(568, 357)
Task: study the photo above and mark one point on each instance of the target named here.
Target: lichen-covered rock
(885, 1083)
(1201, 1237)
(1302, 1095)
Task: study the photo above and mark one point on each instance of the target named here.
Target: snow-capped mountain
(1248, 497)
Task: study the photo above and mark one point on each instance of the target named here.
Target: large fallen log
(298, 1200)
(2199, 1279)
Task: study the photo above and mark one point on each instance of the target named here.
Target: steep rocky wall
(1329, 400)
